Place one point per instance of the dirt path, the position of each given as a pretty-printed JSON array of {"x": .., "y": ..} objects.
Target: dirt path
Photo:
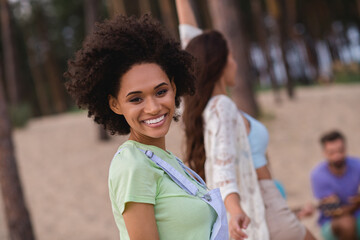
[{"x": 64, "y": 168}]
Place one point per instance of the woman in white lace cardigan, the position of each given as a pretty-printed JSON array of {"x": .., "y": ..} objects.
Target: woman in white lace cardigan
[{"x": 227, "y": 146}]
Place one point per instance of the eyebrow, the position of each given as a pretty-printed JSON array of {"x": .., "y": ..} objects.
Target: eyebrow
[{"x": 136, "y": 92}]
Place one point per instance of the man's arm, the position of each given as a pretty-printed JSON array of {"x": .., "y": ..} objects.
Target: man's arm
[{"x": 330, "y": 206}]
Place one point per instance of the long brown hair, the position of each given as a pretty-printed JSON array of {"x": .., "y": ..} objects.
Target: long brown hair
[{"x": 211, "y": 51}]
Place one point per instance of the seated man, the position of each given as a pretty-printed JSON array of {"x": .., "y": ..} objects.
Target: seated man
[{"x": 335, "y": 183}]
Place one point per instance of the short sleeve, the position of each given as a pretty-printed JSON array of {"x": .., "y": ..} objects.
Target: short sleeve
[
  {"x": 222, "y": 123},
  {"x": 188, "y": 32},
  {"x": 355, "y": 162},
  {"x": 320, "y": 185},
  {"x": 133, "y": 178}
]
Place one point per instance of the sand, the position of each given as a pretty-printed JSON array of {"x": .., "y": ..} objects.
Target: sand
[{"x": 64, "y": 167}]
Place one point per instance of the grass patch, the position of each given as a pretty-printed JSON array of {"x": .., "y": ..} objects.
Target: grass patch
[
  {"x": 346, "y": 77},
  {"x": 75, "y": 109},
  {"x": 20, "y": 114}
]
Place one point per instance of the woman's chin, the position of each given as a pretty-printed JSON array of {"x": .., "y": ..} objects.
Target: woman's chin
[{"x": 161, "y": 133}]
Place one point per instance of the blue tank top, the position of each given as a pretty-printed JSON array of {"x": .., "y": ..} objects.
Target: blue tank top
[{"x": 258, "y": 140}]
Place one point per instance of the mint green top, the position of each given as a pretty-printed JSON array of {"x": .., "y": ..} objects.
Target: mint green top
[{"x": 133, "y": 177}]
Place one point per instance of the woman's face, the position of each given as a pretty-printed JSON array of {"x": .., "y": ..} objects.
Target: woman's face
[
  {"x": 147, "y": 100},
  {"x": 230, "y": 71}
]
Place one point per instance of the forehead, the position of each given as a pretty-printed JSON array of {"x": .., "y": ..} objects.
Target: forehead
[
  {"x": 143, "y": 76},
  {"x": 338, "y": 143}
]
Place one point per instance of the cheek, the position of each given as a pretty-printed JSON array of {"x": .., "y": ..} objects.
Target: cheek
[
  {"x": 169, "y": 101},
  {"x": 131, "y": 114}
]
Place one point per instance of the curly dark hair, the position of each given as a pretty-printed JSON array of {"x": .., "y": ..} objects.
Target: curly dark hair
[{"x": 110, "y": 51}]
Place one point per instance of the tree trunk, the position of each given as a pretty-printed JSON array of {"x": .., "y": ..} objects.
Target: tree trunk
[
  {"x": 51, "y": 69},
  {"x": 226, "y": 17},
  {"x": 17, "y": 215},
  {"x": 260, "y": 30},
  {"x": 145, "y": 6},
  {"x": 204, "y": 13},
  {"x": 116, "y": 7},
  {"x": 286, "y": 24},
  {"x": 91, "y": 16},
  {"x": 11, "y": 76},
  {"x": 40, "y": 88},
  {"x": 168, "y": 16}
]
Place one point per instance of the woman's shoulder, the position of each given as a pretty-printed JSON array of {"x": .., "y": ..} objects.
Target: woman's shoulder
[
  {"x": 129, "y": 158},
  {"x": 221, "y": 103}
]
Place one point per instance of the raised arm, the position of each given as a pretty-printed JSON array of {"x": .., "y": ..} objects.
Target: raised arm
[
  {"x": 188, "y": 27},
  {"x": 185, "y": 13}
]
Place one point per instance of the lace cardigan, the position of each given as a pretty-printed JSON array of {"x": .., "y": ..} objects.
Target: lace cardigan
[{"x": 229, "y": 165}]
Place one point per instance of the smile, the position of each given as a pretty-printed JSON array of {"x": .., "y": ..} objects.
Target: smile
[{"x": 155, "y": 121}]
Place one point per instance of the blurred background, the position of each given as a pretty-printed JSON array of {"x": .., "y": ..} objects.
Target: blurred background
[{"x": 298, "y": 60}]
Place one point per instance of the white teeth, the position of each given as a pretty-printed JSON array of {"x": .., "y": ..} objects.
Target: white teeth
[{"x": 156, "y": 120}]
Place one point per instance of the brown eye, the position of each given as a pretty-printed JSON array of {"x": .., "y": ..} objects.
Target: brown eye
[
  {"x": 135, "y": 100},
  {"x": 161, "y": 92}
]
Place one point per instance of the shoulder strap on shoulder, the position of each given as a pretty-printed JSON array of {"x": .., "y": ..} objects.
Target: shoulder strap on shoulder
[{"x": 176, "y": 176}]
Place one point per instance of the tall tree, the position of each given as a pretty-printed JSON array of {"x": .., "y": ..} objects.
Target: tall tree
[
  {"x": 261, "y": 33},
  {"x": 115, "y": 7},
  {"x": 50, "y": 63},
  {"x": 17, "y": 215},
  {"x": 168, "y": 15},
  {"x": 145, "y": 6},
  {"x": 286, "y": 23},
  {"x": 91, "y": 16},
  {"x": 39, "y": 80},
  {"x": 11, "y": 76},
  {"x": 278, "y": 10},
  {"x": 227, "y": 18}
]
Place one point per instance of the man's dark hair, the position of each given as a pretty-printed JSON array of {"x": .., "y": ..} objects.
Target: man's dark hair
[{"x": 331, "y": 136}]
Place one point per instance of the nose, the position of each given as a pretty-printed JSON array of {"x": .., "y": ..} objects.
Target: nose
[{"x": 152, "y": 106}]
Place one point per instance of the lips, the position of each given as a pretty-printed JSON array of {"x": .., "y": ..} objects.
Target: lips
[{"x": 154, "y": 122}]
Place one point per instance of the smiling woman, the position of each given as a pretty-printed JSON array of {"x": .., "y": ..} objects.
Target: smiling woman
[
  {"x": 148, "y": 106},
  {"x": 130, "y": 76}
]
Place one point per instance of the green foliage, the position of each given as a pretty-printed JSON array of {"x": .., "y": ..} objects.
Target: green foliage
[
  {"x": 347, "y": 77},
  {"x": 20, "y": 114},
  {"x": 76, "y": 109},
  {"x": 347, "y": 74}
]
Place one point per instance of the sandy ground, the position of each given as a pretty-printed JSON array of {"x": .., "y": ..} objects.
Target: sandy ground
[{"x": 64, "y": 167}]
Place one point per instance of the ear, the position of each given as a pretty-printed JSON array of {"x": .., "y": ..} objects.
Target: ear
[
  {"x": 173, "y": 85},
  {"x": 114, "y": 105}
]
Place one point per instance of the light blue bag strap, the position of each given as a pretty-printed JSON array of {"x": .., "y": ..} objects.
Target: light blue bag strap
[
  {"x": 177, "y": 177},
  {"x": 193, "y": 174}
]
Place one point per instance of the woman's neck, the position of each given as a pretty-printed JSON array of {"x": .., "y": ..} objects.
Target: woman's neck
[
  {"x": 157, "y": 142},
  {"x": 219, "y": 88}
]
